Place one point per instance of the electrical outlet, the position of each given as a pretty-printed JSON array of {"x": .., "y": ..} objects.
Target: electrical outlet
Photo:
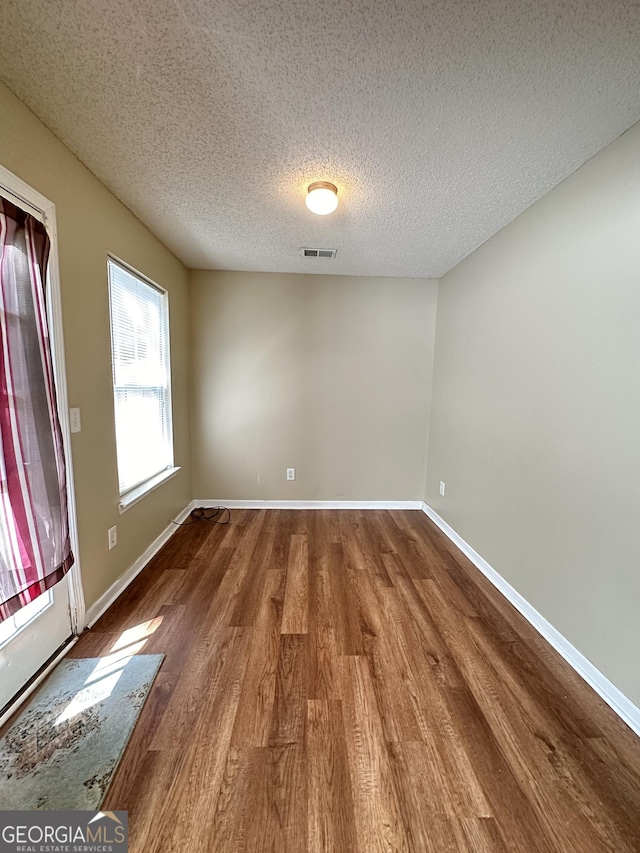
[
  {"x": 74, "y": 420},
  {"x": 113, "y": 536},
  {"x": 291, "y": 473},
  {"x": 442, "y": 487}
]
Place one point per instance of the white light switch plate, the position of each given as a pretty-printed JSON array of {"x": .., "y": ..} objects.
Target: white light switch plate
[{"x": 74, "y": 420}]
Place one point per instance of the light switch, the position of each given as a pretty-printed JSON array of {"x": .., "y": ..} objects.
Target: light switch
[{"x": 74, "y": 420}]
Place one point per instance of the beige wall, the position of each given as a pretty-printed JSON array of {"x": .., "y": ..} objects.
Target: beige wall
[
  {"x": 326, "y": 374},
  {"x": 92, "y": 222},
  {"x": 535, "y": 424},
  {"x": 536, "y": 399}
]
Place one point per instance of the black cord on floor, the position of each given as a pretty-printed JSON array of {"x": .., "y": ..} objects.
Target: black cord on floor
[{"x": 210, "y": 514}]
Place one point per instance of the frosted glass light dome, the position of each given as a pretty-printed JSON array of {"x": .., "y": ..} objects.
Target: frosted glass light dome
[{"x": 322, "y": 197}]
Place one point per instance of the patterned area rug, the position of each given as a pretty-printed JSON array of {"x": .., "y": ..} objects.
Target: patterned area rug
[{"x": 62, "y": 751}]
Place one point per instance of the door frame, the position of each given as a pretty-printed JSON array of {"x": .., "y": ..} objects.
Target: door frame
[{"x": 34, "y": 202}]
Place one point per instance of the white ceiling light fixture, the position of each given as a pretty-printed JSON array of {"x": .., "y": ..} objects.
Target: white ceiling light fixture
[{"x": 322, "y": 197}]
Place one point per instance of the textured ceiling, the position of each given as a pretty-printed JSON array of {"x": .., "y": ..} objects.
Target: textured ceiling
[{"x": 438, "y": 121}]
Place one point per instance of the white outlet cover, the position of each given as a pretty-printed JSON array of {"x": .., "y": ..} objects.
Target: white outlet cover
[
  {"x": 112, "y": 535},
  {"x": 291, "y": 473},
  {"x": 442, "y": 488}
]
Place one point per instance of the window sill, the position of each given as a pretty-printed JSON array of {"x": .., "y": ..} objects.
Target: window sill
[{"x": 135, "y": 495}]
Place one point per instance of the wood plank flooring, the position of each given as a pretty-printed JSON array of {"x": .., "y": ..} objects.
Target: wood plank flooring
[{"x": 347, "y": 681}]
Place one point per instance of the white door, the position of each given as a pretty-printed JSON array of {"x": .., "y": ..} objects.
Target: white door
[{"x": 33, "y": 636}]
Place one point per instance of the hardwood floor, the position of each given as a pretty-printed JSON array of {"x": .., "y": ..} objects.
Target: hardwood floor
[{"x": 347, "y": 681}]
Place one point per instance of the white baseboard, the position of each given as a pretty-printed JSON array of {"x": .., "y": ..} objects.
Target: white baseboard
[
  {"x": 615, "y": 698},
  {"x": 118, "y": 587},
  {"x": 256, "y": 504}
]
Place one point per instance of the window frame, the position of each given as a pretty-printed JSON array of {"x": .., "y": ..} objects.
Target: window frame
[{"x": 132, "y": 494}]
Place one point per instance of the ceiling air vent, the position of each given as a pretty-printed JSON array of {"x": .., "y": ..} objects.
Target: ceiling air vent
[{"x": 318, "y": 253}]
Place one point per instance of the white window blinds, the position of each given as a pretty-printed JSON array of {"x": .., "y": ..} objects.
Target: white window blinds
[{"x": 141, "y": 377}]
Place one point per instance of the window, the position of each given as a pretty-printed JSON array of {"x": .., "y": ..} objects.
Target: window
[
  {"x": 10, "y": 627},
  {"x": 141, "y": 382}
]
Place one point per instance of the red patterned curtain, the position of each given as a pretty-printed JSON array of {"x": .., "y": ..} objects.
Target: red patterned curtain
[{"x": 35, "y": 551}]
